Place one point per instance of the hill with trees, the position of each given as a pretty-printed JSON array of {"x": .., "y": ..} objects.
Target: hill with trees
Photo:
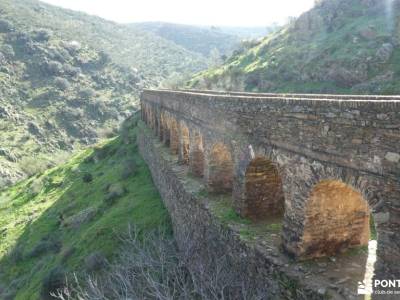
[
  {"x": 339, "y": 46},
  {"x": 68, "y": 79},
  {"x": 202, "y": 40}
]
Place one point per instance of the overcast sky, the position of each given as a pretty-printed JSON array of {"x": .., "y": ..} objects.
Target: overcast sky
[{"x": 199, "y": 12}]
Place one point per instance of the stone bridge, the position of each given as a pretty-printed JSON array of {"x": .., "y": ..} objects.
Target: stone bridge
[{"x": 327, "y": 165}]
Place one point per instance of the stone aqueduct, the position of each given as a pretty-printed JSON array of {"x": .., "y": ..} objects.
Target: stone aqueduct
[{"x": 324, "y": 163}]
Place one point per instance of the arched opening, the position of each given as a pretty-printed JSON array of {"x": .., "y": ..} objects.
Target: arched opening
[
  {"x": 167, "y": 136},
  {"x": 174, "y": 136},
  {"x": 162, "y": 127},
  {"x": 220, "y": 175},
  {"x": 197, "y": 156},
  {"x": 185, "y": 144},
  {"x": 156, "y": 124},
  {"x": 263, "y": 190},
  {"x": 336, "y": 218}
]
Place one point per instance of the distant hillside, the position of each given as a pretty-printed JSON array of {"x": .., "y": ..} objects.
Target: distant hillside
[
  {"x": 193, "y": 38},
  {"x": 150, "y": 54},
  {"x": 68, "y": 79},
  {"x": 248, "y": 32},
  {"x": 340, "y": 46}
]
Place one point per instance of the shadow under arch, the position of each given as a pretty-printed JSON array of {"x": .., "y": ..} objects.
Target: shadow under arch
[
  {"x": 337, "y": 218},
  {"x": 185, "y": 144},
  {"x": 263, "y": 193},
  {"x": 162, "y": 127},
  {"x": 173, "y": 135},
  {"x": 196, "y": 155},
  {"x": 220, "y": 169}
]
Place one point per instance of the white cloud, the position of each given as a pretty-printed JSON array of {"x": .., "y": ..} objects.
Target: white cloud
[{"x": 200, "y": 12}]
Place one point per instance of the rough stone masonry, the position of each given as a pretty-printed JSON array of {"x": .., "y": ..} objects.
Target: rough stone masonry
[{"x": 325, "y": 164}]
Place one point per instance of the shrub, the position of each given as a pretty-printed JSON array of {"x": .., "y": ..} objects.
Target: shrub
[
  {"x": 87, "y": 93},
  {"x": 53, "y": 283},
  {"x": 62, "y": 83},
  {"x": 115, "y": 191},
  {"x": 67, "y": 253},
  {"x": 35, "y": 187},
  {"x": 71, "y": 70},
  {"x": 129, "y": 169},
  {"x": 32, "y": 165},
  {"x": 16, "y": 255},
  {"x": 87, "y": 177},
  {"x": 95, "y": 261},
  {"x": 8, "y": 51},
  {"x": 42, "y": 35},
  {"x": 53, "y": 68},
  {"x": 80, "y": 218},
  {"x": 5, "y": 26},
  {"x": 45, "y": 246}
]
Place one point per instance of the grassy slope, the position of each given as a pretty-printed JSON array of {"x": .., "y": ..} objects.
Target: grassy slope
[
  {"x": 29, "y": 214},
  {"x": 332, "y": 48},
  {"x": 31, "y": 94}
]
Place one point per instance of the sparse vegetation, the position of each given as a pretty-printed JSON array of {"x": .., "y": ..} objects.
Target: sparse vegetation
[
  {"x": 149, "y": 267},
  {"x": 67, "y": 79},
  {"x": 340, "y": 46}
]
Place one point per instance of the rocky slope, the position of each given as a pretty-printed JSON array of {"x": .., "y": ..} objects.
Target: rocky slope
[
  {"x": 340, "y": 46},
  {"x": 152, "y": 55},
  {"x": 68, "y": 79}
]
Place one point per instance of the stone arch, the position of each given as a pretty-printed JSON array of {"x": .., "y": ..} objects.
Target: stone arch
[
  {"x": 220, "y": 169},
  {"x": 156, "y": 123},
  {"x": 145, "y": 114},
  {"x": 262, "y": 190},
  {"x": 162, "y": 126},
  {"x": 167, "y": 134},
  {"x": 150, "y": 117},
  {"x": 336, "y": 219},
  {"x": 197, "y": 155},
  {"x": 173, "y": 135},
  {"x": 185, "y": 144}
]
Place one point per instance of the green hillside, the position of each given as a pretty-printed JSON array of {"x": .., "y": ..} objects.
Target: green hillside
[
  {"x": 68, "y": 79},
  {"x": 151, "y": 55},
  {"x": 340, "y": 46},
  {"x": 71, "y": 218}
]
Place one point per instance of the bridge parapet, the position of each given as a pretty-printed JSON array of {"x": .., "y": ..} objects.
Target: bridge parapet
[{"x": 326, "y": 162}]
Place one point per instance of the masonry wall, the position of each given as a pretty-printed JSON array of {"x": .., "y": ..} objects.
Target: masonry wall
[
  {"x": 206, "y": 245},
  {"x": 309, "y": 138}
]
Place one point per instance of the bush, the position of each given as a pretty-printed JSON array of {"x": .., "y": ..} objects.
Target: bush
[
  {"x": 32, "y": 165},
  {"x": 53, "y": 68},
  {"x": 87, "y": 93},
  {"x": 45, "y": 246},
  {"x": 5, "y": 26},
  {"x": 42, "y": 35},
  {"x": 95, "y": 262},
  {"x": 71, "y": 70},
  {"x": 53, "y": 283},
  {"x": 62, "y": 83},
  {"x": 129, "y": 169},
  {"x": 87, "y": 177},
  {"x": 35, "y": 187},
  {"x": 67, "y": 253},
  {"x": 16, "y": 255},
  {"x": 115, "y": 191},
  {"x": 8, "y": 51}
]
